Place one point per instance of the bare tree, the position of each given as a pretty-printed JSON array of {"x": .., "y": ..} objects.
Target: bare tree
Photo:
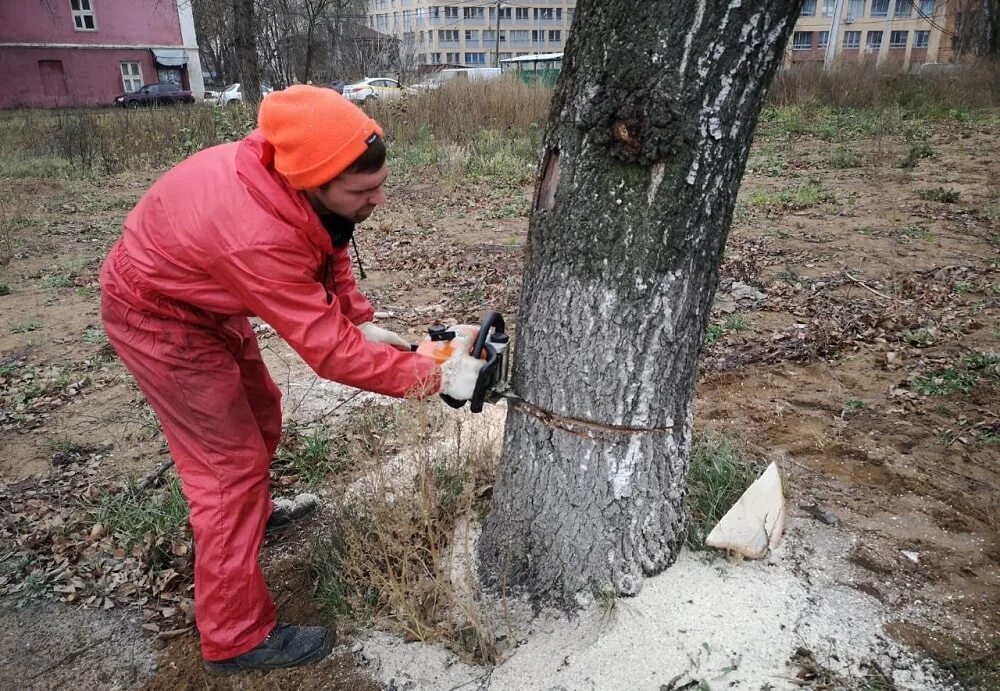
[
  {"x": 648, "y": 137},
  {"x": 245, "y": 45},
  {"x": 977, "y": 27}
]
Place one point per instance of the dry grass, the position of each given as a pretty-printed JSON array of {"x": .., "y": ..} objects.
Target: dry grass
[
  {"x": 849, "y": 85},
  {"x": 391, "y": 555}
]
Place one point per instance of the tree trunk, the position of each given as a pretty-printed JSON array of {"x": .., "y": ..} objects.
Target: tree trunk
[
  {"x": 245, "y": 42},
  {"x": 648, "y": 136}
]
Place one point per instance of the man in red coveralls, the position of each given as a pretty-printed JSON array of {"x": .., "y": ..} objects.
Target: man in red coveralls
[{"x": 257, "y": 227}]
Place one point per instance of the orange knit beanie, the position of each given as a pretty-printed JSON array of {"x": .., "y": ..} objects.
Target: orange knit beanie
[{"x": 316, "y": 133}]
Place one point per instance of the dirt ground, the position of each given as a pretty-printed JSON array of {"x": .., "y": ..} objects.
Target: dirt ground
[{"x": 852, "y": 334}]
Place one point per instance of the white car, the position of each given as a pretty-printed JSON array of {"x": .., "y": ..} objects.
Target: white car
[
  {"x": 375, "y": 88},
  {"x": 233, "y": 94}
]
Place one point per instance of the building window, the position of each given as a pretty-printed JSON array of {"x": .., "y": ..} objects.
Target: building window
[
  {"x": 435, "y": 12},
  {"x": 855, "y": 9},
  {"x": 475, "y": 58},
  {"x": 802, "y": 40},
  {"x": 537, "y": 36},
  {"x": 880, "y": 8},
  {"x": 897, "y": 39},
  {"x": 471, "y": 35},
  {"x": 555, "y": 36},
  {"x": 435, "y": 58},
  {"x": 903, "y": 8},
  {"x": 504, "y": 13},
  {"x": 83, "y": 15},
  {"x": 131, "y": 76},
  {"x": 473, "y": 12},
  {"x": 824, "y": 39},
  {"x": 545, "y": 13},
  {"x": 452, "y": 58},
  {"x": 452, "y": 12},
  {"x": 521, "y": 13},
  {"x": 921, "y": 39},
  {"x": 852, "y": 39},
  {"x": 808, "y": 9},
  {"x": 874, "y": 41},
  {"x": 828, "y": 6},
  {"x": 927, "y": 8},
  {"x": 448, "y": 36},
  {"x": 521, "y": 36}
]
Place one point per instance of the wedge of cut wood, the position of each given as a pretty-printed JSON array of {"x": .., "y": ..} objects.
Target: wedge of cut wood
[{"x": 755, "y": 523}]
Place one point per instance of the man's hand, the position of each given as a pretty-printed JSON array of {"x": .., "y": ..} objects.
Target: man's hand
[
  {"x": 379, "y": 335},
  {"x": 461, "y": 371}
]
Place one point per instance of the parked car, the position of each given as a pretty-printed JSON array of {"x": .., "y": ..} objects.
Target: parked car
[
  {"x": 232, "y": 94},
  {"x": 160, "y": 94},
  {"x": 466, "y": 75},
  {"x": 211, "y": 96},
  {"x": 375, "y": 88}
]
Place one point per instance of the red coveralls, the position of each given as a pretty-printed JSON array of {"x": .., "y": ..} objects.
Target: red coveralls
[{"x": 218, "y": 238}]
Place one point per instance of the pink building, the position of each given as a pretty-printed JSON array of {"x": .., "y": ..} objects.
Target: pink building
[{"x": 57, "y": 53}]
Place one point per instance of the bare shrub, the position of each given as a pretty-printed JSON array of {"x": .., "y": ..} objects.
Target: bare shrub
[{"x": 391, "y": 554}]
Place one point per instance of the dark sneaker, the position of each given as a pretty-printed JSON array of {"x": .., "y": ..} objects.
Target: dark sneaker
[
  {"x": 285, "y": 646},
  {"x": 287, "y": 511}
]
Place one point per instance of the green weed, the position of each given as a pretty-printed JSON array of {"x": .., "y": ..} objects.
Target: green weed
[
  {"x": 717, "y": 477},
  {"x": 26, "y": 327},
  {"x": 57, "y": 281},
  {"x": 960, "y": 378},
  {"x": 154, "y": 519},
  {"x": 919, "y": 338},
  {"x": 842, "y": 157},
  {"x": 938, "y": 194},
  {"x": 802, "y": 197},
  {"x": 737, "y": 322},
  {"x": 854, "y": 404},
  {"x": 714, "y": 333}
]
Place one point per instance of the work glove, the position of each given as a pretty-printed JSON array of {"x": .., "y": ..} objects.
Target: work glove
[
  {"x": 460, "y": 372},
  {"x": 377, "y": 334}
]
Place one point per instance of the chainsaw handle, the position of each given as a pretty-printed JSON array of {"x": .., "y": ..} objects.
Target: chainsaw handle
[{"x": 491, "y": 320}]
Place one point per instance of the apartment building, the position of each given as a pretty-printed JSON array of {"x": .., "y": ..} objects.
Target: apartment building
[
  {"x": 910, "y": 32},
  {"x": 464, "y": 34}
]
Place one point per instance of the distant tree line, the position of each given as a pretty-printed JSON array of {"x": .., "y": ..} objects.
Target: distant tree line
[{"x": 281, "y": 42}]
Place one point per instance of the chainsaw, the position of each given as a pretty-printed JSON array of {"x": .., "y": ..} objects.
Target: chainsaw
[{"x": 490, "y": 344}]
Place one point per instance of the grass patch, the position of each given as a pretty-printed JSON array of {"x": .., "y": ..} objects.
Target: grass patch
[
  {"x": 717, "y": 477},
  {"x": 156, "y": 521},
  {"x": 961, "y": 377},
  {"x": 802, "y": 197},
  {"x": 938, "y": 194}
]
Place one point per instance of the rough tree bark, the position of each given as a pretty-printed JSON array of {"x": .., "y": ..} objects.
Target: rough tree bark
[
  {"x": 245, "y": 43},
  {"x": 648, "y": 136}
]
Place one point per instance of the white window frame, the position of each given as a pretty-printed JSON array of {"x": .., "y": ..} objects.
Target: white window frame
[
  {"x": 896, "y": 34},
  {"x": 82, "y": 10},
  {"x": 854, "y": 44},
  {"x": 797, "y": 45},
  {"x": 870, "y": 45},
  {"x": 880, "y": 11},
  {"x": 822, "y": 39},
  {"x": 922, "y": 34},
  {"x": 129, "y": 78},
  {"x": 923, "y": 11}
]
